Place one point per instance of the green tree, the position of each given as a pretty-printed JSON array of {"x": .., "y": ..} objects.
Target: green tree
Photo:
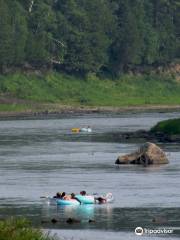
[
  {"x": 163, "y": 22},
  {"x": 84, "y": 27},
  {"x": 150, "y": 36},
  {"x": 5, "y": 36},
  {"x": 19, "y": 32},
  {"x": 41, "y": 25},
  {"x": 176, "y": 20},
  {"x": 128, "y": 43}
]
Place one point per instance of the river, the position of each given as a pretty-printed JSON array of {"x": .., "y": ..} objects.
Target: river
[{"x": 39, "y": 157}]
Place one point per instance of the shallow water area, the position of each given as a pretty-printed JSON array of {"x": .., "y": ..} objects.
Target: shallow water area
[
  {"x": 41, "y": 157},
  {"x": 88, "y": 235}
]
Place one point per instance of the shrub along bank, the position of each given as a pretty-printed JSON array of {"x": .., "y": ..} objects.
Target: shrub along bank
[{"x": 20, "y": 229}]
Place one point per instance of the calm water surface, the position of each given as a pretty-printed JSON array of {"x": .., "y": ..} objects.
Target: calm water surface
[{"x": 41, "y": 157}]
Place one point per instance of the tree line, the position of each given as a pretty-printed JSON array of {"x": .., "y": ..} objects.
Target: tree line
[{"x": 88, "y": 36}]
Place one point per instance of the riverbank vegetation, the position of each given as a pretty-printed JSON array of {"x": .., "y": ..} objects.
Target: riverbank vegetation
[
  {"x": 88, "y": 53},
  {"x": 20, "y": 229},
  {"x": 19, "y": 92},
  {"x": 170, "y": 127}
]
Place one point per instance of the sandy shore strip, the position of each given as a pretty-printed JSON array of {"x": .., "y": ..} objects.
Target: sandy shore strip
[{"x": 56, "y": 109}]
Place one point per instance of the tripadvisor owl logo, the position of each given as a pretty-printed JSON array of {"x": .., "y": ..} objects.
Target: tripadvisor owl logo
[{"x": 139, "y": 231}]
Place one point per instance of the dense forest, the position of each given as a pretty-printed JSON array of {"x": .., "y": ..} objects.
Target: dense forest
[{"x": 88, "y": 36}]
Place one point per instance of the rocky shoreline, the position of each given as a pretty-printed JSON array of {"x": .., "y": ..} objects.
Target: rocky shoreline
[{"x": 146, "y": 136}]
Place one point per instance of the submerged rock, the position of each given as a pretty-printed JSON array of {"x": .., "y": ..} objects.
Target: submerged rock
[{"x": 148, "y": 153}]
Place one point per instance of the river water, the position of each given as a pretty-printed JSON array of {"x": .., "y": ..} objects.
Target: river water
[{"x": 41, "y": 157}]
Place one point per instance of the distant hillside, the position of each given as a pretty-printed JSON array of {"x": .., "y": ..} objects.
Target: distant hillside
[{"x": 107, "y": 37}]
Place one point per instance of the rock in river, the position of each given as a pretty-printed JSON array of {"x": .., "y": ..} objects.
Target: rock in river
[{"x": 148, "y": 153}]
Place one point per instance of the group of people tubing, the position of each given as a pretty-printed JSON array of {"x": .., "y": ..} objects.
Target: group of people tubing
[{"x": 67, "y": 197}]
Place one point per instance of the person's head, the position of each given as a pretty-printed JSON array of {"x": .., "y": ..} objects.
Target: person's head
[
  {"x": 101, "y": 200},
  {"x": 58, "y": 194},
  {"x": 72, "y": 195},
  {"x": 83, "y": 193},
  {"x": 63, "y": 194}
]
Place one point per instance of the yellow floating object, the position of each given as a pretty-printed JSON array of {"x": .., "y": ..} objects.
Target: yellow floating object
[{"x": 75, "y": 130}]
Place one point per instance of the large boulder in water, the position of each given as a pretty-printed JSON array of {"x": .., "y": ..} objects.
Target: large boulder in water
[{"x": 148, "y": 153}]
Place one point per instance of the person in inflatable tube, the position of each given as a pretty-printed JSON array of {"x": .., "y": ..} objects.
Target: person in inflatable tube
[
  {"x": 73, "y": 196},
  {"x": 101, "y": 200},
  {"x": 66, "y": 197},
  {"x": 58, "y": 195},
  {"x": 83, "y": 193}
]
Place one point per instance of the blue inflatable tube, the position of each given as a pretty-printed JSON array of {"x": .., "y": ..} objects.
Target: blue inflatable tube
[
  {"x": 71, "y": 202},
  {"x": 80, "y": 199},
  {"x": 87, "y": 199}
]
